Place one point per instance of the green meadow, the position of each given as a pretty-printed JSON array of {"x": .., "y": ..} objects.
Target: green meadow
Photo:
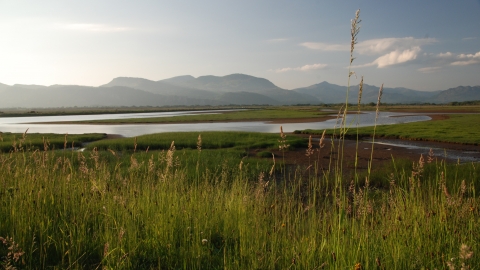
[
  {"x": 458, "y": 128},
  {"x": 199, "y": 201},
  {"x": 206, "y": 205}
]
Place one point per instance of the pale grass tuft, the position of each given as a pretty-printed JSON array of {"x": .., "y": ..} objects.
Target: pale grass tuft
[
  {"x": 283, "y": 142},
  {"x": 377, "y": 108},
  {"x": 14, "y": 252},
  {"x": 321, "y": 144},
  {"x": 65, "y": 142},
  {"x": 273, "y": 166},
  {"x": 360, "y": 91},
  {"x": 310, "y": 147},
  {"x": 465, "y": 252},
  {"x": 199, "y": 143},
  {"x": 354, "y": 30},
  {"x": 431, "y": 156}
]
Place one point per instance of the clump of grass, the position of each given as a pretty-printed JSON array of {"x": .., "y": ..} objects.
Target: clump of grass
[{"x": 209, "y": 140}]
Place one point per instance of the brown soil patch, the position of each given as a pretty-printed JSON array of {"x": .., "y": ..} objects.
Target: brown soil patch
[{"x": 382, "y": 154}]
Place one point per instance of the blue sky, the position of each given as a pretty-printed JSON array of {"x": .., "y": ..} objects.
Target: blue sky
[{"x": 424, "y": 45}]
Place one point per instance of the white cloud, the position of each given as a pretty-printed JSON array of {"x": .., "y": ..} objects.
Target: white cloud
[
  {"x": 392, "y": 50},
  {"x": 312, "y": 67},
  {"x": 467, "y": 59},
  {"x": 302, "y": 68},
  {"x": 90, "y": 27},
  {"x": 325, "y": 46},
  {"x": 373, "y": 46},
  {"x": 397, "y": 57},
  {"x": 393, "y": 58},
  {"x": 429, "y": 69},
  {"x": 386, "y": 45},
  {"x": 444, "y": 55},
  {"x": 441, "y": 60}
]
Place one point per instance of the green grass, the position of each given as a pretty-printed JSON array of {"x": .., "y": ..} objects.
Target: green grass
[
  {"x": 459, "y": 128},
  {"x": 247, "y": 115},
  {"x": 210, "y": 140},
  {"x": 129, "y": 208},
  {"x": 216, "y": 209},
  {"x": 31, "y": 141}
]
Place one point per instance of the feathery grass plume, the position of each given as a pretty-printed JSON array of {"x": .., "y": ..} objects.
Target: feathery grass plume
[
  {"x": 321, "y": 144},
  {"x": 65, "y": 141},
  {"x": 25, "y": 134},
  {"x": 309, "y": 151},
  {"x": 273, "y": 166},
  {"x": 431, "y": 156},
  {"x": 14, "y": 252},
  {"x": 360, "y": 91},
  {"x": 170, "y": 152},
  {"x": 199, "y": 143},
  {"x": 135, "y": 144},
  {"x": 377, "y": 108},
  {"x": 283, "y": 142},
  {"x": 354, "y": 30}
]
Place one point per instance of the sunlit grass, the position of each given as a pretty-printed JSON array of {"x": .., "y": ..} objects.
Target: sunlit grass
[{"x": 458, "y": 128}]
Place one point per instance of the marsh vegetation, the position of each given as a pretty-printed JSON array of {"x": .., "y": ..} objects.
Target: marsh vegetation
[{"x": 200, "y": 201}]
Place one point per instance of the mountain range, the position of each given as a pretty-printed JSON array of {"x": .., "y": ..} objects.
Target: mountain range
[{"x": 234, "y": 89}]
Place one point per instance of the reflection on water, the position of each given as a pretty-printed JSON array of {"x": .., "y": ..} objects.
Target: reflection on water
[
  {"x": 440, "y": 152},
  {"x": 20, "y": 124}
]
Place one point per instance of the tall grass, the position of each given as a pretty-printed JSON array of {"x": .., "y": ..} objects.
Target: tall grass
[
  {"x": 150, "y": 210},
  {"x": 119, "y": 207}
]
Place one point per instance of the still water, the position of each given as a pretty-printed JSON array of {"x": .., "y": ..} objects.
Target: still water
[{"x": 34, "y": 123}]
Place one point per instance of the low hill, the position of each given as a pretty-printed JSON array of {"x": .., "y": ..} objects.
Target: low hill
[{"x": 239, "y": 89}]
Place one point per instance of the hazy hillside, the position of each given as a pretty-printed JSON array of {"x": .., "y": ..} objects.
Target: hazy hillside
[
  {"x": 238, "y": 89},
  {"x": 73, "y": 95},
  {"x": 160, "y": 87},
  {"x": 460, "y": 93},
  {"x": 216, "y": 88},
  {"x": 332, "y": 93},
  {"x": 229, "y": 83}
]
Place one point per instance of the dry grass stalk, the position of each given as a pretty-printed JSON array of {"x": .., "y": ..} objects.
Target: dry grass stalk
[
  {"x": 354, "y": 30},
  {"x": 360, "y": 91},
  {"x": 14, "y": 252},
  {"x": 199, "y": 143},
  {"x": 310, "y": 147},
  {"x": 273, "y": 166},
  {"x": 283, "y": 142},
  {"x": 135, "y": 144},
  {"x": 321, "y": 144},
  {"x": 377, "y": 108},
  {"x": 65, "y": 142}
]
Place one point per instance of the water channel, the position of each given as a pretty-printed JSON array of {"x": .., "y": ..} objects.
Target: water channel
[
  {"x": 41, "y": 124},
  {"x": 36, "y": 124}
]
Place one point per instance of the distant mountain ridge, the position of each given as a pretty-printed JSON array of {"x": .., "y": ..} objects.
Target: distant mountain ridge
[{"x": 234, "y": 89}]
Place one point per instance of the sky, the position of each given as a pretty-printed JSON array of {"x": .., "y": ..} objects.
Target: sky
[{"x": 424, "y": 45}]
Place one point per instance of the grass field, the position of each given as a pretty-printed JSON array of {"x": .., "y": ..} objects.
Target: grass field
[
  {"x": 34, "y": 141},
  {"x": 183, "y": 201},
  {"x": 215, "y": 209},
  {"x": 458, "y": 128}
]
